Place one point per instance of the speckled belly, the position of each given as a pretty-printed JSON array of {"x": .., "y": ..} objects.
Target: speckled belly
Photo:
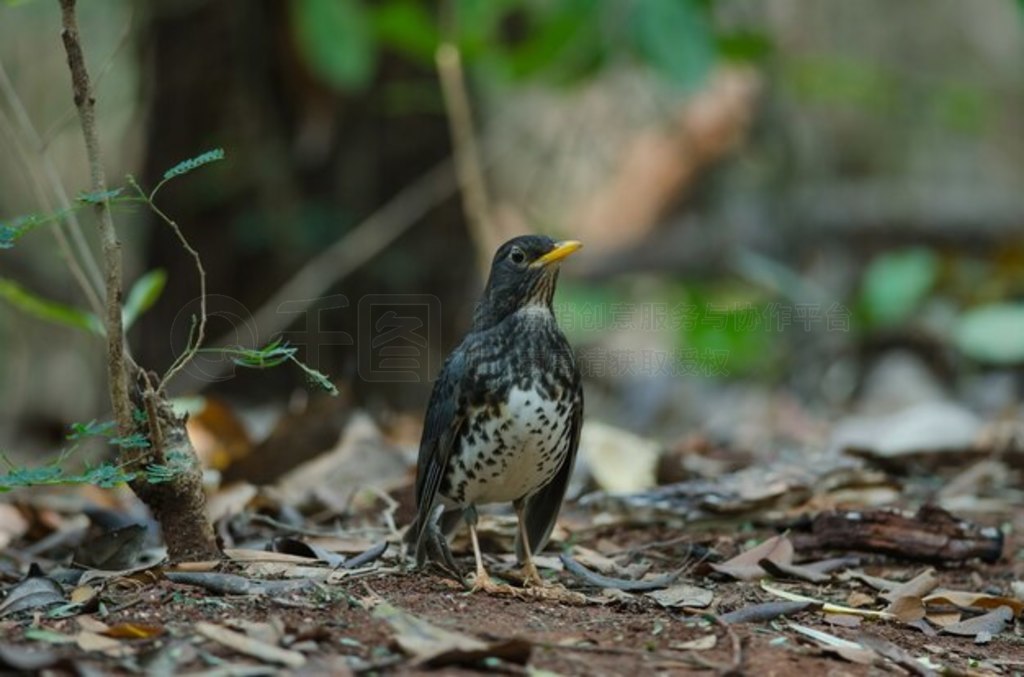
[{"x": 506, "y": 457}]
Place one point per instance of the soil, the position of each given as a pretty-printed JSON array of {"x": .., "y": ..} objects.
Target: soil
[{"x": 338, "y": 632}]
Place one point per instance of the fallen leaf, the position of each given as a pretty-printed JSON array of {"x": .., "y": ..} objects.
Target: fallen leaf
[
  {"x": 682, "y": 594},
  {"x": 746, "y": 566},
  {"x": 13, "y": 524},
  {"x": 93, "y": 642},
  {"x": 293, "y": 546},
  {"x": 90, "y": 624},
  {"x": 844, "y": 620},
  {"x": 827, "y": 607},
  {"x": 133, "y": 631},
  {"x": 858, "y": 599},
  {"x": 851, "y": 651},
  {"x": 992, "y": 623},
  {"x": 83, "y": 594},
  {"x": 604, "y": 582},
  {"x": 907, "y": 609},
  {"x": 780, "y": 570},
  {"x": 700, "y": 644},
  {"x": 973, "y": 600},
  {"x": 432, "y": 646},
  {"x": 760, "y": 613},
  {"x": 249, "y": 646},
  {"x": 918, "y": 586},
  {"x": 35, "y": 591},
  {"x": 27, "y": 659},
  {"x": 918, "y": 666},
  {"x": 114, "y": 550}
]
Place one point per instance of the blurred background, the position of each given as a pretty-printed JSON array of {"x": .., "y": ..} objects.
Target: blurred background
[{"x": 794, "y": 212}]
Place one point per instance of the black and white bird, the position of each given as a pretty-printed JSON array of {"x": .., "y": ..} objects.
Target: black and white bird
[{"x": 503, "y": 423}]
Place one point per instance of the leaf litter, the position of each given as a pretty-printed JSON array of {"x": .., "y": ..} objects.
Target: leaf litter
[{"x": 647, "y": 593}]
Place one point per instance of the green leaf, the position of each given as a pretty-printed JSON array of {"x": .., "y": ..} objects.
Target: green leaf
[
  {"x": 675, "y": 37},
  {"x": 12, "y": 231},
  {"x": 143, "y": 295},
  {"x": 896, "y": 283},
  {"x": 51, "y": 311},
  {"x": 96, "y": 198},
  {"x": 992, "y": 333},
  {"x": 565, "y": 44},
  {"x": 407, "y": 27},
  {"x": 93, "y": 428},
  {"x": 198, "y": 161},
  {"x": 336, "y": 40}
]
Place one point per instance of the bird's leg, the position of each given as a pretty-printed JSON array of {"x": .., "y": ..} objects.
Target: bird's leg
[
  {"x": 530, "y": 573},
  {"x": 483, "y": 581}
]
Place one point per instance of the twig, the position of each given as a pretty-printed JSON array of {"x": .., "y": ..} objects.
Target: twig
[
  {"x": 468, "y": 167},
  {"x": 117, "y": 368},
  {"x": 196, "y": 342},
  {"x": 343, "y": 257},
  {"x": 735, "y": 666},
  {"x": 89, "y": 279}
]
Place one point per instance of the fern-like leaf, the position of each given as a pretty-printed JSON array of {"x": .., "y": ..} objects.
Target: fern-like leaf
[{"x": 198, "y": 161}]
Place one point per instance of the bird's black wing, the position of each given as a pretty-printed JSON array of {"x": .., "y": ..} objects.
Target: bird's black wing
[
  {"x": 440, "y": 428},
  {"x": 541, "y": 509}
]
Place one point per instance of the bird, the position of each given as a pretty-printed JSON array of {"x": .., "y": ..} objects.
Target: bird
[{"x": 504, "y": 416}]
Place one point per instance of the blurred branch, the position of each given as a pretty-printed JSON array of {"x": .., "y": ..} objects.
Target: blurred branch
[
  {"x": 465, "y": 150},
  {"x": 88, "y": 278}
]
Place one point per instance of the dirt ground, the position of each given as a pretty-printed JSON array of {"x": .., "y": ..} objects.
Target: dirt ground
[{"x": 337, "y": 630}]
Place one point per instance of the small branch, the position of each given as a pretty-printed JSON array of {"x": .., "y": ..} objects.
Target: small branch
[
  {"x": 117, "y": 370},
  {"x": 475, "y": 200},
  {"x": 196, "y": 341}
]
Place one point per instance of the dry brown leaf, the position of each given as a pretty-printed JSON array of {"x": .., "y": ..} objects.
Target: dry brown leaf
[
  {"x": 248, "y": 555},
  {"x": 432, "y": 646},
  {"x": 13, "y": 524},
  {"x": 267, "y": 653},
  {"x": 843, "y": 620},
  {"x": 91, "y": 641},
  {"x": 746, "y": 567},
  {"x": 943, "y": 618},
  {"x": 859, "y": 599},
  {"x": 83, "y": 594},
  {"x": 682, "y": 594},
  {"x": 907, "y": 609},
  {"x": 700, "y": 644},
  {"x": 90, "y": 624},
  {"x": 973, "y": 600},
  {"x": 918, "y": 586}
]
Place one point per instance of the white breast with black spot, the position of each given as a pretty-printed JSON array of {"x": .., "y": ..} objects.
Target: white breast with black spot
[{"x": 506, "y": 457}]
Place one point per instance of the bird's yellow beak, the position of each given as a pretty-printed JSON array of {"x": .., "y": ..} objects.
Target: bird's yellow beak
[{"x": 561, "y": 250}]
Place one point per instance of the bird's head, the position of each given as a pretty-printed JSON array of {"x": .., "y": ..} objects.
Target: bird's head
[{"x": 523, "y": 273}]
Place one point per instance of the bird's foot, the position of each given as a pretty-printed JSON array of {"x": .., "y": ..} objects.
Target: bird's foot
[
  {"x": 531, "y": 577},
  {"x": 554, "y": 592},
  {"x": 483, "y": 582}
]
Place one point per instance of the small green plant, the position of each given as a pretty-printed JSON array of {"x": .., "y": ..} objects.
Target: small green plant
[{"x": 144, "y": 293}]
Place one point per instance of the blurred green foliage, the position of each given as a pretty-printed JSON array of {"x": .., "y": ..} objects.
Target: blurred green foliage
[
  {"x": 895, "y": 284},
  {"x": 561, "y": 41}
]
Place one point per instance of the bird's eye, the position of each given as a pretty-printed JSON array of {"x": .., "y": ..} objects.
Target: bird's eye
[{"x": 516, "y": 256}]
